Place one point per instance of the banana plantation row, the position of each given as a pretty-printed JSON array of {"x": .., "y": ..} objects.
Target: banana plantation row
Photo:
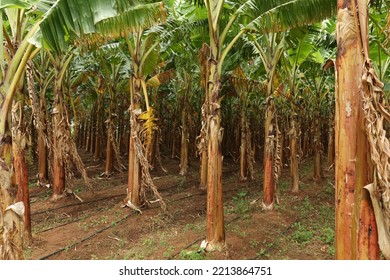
[{"x": 268, "y": 81}]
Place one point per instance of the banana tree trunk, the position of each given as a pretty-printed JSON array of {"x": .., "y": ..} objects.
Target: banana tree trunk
[
  {"x": 173, "y": 143},
  {"x": 11, "y": 213},
  {"x": 58, "y": 164},
  {"x": 202, "y": 146},
  {"x": 215, "y": 215},
  {"x": 109, "y": 147},
  {"x": 317, "y": 149},
  {"x": 134, "y": 182},
  {"x": 269, "y": 149},
  {"x": 330, "y": 160},
  {"x": 294, "y": 155},
  {"x": 19, "y": 143},
  {"x": 356, "y": 232},
  {"x": 203, "y": 168},
  {"x": 42, "y": 150},
  {"x": 109, "y": 167},
  {"x": 99, "y": 132},
  {"x": 243, "y": 149},
  {"x": 87, "y": 136},
  {"x": 306, "y": 144},
  {"x": 93, "y": 132},
  {"x": 184, "y": 143},
  {"x": 11, "y": 223}
]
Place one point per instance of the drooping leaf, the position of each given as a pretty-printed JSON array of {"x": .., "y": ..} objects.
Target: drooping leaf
[
  {"x": 161, "y": 78},
  {"x": 19, "y": 4},
  {"x": 89, "y": 20},
  {"x": 280, "y": 15}
]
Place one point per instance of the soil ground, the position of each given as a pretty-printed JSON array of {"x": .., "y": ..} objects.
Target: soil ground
[{"x": 301, "y": 227}]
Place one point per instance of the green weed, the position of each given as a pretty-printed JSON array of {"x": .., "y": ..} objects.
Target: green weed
[
  {"x": 241, "y": 204},
  {"x": 262, "y": 254},
  {"x": 236, "y": 229},
  {"x": 134, "y": 255},
  {"x": 301, "y": 234},
  {"x": 254, "y": 243},
  {"x": 169, "y": 251},
  {"x": 192, "y": 255},
  {"x": 283, "y": 184},
  {"x": 149, "y": 243},
  {"x": 327, "y": 235}
]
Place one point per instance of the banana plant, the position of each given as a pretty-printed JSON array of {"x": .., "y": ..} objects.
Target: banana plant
[
  {"x": 317, "y": 100},
  {"x": 246, "y": 89},
  {"x": 23, "y": 18},
  {"x": 269, "y": 47},
  {"x": 302, "y": 48},
  {"x": 41, "y": 75},
  {"x": 361, "y": 116},
  {"x": 112, "y": 78},
  {"x": 256, "y": 16},
  {"x": 60, "y": 24},
  {"x": 67, "y": 23}
]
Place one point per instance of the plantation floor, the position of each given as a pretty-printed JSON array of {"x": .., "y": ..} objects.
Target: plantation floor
[{"x": 301, "y": 226}]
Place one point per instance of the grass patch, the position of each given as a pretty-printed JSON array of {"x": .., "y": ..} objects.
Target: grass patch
[
  {"x": 254, "y": 243},
  {"x": 241, "y": 203},
  {"x": 236, "y": 229},
  {"x": 262, "y": 254},
  {"x": 192, "y": 255},
  {"x": 301, "y": 234},
  {"x": 283, "y": 184},
  {"x": 327, "y": 235},
  {"x": 149, "y": 243},
  {"x": 169, "y": 251},
  {"x": 134, "y": 255}
]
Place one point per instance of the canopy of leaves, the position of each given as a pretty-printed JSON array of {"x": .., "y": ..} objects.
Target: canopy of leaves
[{"x": 70, "y": 19}]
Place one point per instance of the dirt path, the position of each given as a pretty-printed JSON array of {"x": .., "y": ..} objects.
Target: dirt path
[{"x": 301, "y": 227}]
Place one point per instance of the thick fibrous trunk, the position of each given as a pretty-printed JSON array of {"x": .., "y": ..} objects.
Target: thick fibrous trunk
[
  {"x": 21, "y": 180},
  {"x": 88, "y": 134},
  {"x": 110, "y": 138},
  {"x": 98, "y": 145},
  {"x": 58, "y": 164},
  {"x": 317, "y": 149},
  {"x": 11, "y": 213},
  {"x": 99, "y": 134},
  {"x": 202, "y": 146},
  {"x": 243, "y": 149},
  {"x": 134, "y": 182},
  {"x": 109, "y": 158},
  {"x": 215, "y": 215},
  {"x": 11, "y": 223},
  {"x": 203, "y": 169},
  {"x": 173, "y": 151},
  {"x": 294, "y": 156},
  {"x": 330, "y": 160},
  {"x": 306, "y": 144},
  {"x": 356, "y": 234},
  {"x": 269, "y": 149},
  {"x": 42, "y": 150},
  {"x": 85, "y": 134},
  {"x": 19, "y": 143},
  {"x": 93, "y": 134},
  {"x": 42, "y": 159},
  {"x": 184, "y": 143}
]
